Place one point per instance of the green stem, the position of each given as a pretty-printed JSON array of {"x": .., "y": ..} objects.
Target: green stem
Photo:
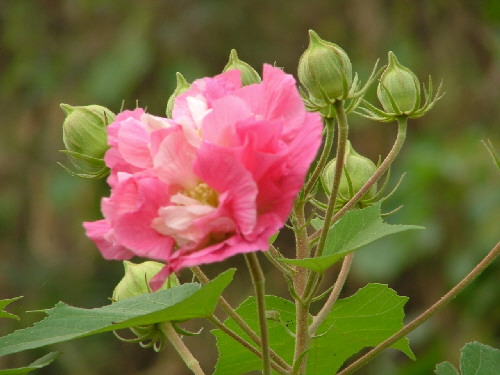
[
  {"x": 181, "y": 348},
  {"x": 239, "y": 320},
  {"x": 389, "y": 159},
  {"x": 329, "y": 125},
  {"x": 443, "y": 301},
  {"x": 272, "y": 254},
  {"x": 343, "y": 131},
  {"x": 258, "y": 281},
  {"x": 334, "y": 295},
  {"x": 312, "y": 286}
]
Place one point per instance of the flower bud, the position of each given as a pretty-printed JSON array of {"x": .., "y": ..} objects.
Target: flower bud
[
  {"x": 359, "y": 170},
  {"x": 136, "y": 280},
  {"x": 399, "y": 88},
  {"x": 182, "y": 85},
  {"x": 325, "y": 70},
  {"x": 134, "y": 283},
  {"x": 85, "y": 137},
  {"x": 248, "y": 74}
]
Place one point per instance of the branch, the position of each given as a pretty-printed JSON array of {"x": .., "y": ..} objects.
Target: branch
[{"x": 443, "y": 301}]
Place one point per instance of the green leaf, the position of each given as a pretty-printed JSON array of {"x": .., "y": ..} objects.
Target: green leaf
[
  {"x": 65, "y": 322},
  {"x": 355, "y": 229},
  {"x": 365, "y": 319},
  {"x": 446, "y": 368},
  {"x": 3, "y": 304},
  {"x": 476, "y": 359},
  {"x": 39, "y": 363},
  {"x": 236, "y": 359}
]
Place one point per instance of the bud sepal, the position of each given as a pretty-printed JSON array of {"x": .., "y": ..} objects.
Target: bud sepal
[
  {"x": 325, "y": 73},
  {"x": 357, "y": 171},
  {"x": 248, "y": 74},
  {"x": 135, "y": 283},
  {"x": 400, "y": 95},
  {"x": 86, "y": 140},
  {"x": 182, "y": 86}
]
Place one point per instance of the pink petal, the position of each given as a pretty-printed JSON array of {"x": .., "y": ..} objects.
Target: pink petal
[
  {"x": 220, "y": 169},
  {"x": 174, "y": 159},
  {"x": 102, "y": 234},
  {"x": 208, "y": 88},
  {"x": 113, "y": 128},
  {"x": 158, "y": 280},
  {"x": 133, "y": 205},
  {"x": 216, "y": 253},
  {"x": 133, "y": 143},
  {"x": 276, "y": 97},
  {"x": 219, "y": 126}
]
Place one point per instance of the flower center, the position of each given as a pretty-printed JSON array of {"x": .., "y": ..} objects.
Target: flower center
[{"x": 203, "y": 194}]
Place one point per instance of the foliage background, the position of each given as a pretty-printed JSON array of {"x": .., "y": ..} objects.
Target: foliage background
[{"x": 104, "y": 51}]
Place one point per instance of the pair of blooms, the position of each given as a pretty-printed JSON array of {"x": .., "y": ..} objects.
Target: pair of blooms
[{"x": 218, "y": 179}]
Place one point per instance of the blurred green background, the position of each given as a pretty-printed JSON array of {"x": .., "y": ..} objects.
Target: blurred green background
[{"x": 102, "y": 52}]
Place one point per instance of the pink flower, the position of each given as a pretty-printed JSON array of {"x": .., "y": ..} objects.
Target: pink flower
[{"x": 216, "y": 180}]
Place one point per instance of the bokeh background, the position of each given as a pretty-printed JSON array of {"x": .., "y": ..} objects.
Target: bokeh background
[{"x": 108, "y": 51}]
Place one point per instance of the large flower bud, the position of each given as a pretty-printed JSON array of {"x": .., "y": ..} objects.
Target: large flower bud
[
  {"x": 359, "y": 170},
  {"x": 182, "y": 85},
  {"x": 248, "y": 74},
  {"x": 325, "y": 70},
  {"x": 85, "y": 137},
  {"x": 399, "y": 88}
]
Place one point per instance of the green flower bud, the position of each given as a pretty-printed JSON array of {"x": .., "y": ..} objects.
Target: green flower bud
[
  {"x": 136, "y": 280},
  {"x": 85, "y": 138},
  {"x": 248, "y": 74},
  {"x": 182, "y": 85},
  {"x": 358, "y": 169},
  {"x": 399, "y": 88},
  {"x": 325, "y": 70},
  {"x": 134, "y": 283}
]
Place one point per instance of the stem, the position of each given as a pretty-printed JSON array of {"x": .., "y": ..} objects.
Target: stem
[
  {"x": 443, "y": 301},
  {"x": 258, "y": 281},
  {"x": 312, "y": 286},
  {"x": 239, "y": 320},
  {"x": 328, "y": 122},
  {"x": 302, "y": 286},
  {"x": 334, "y": 295},
  {"x": 389, "y": 159},
  {"x": 299, "y": 282},
  {"x": 217, "y": 323},
  {"x": 302, "y": 337},
  {"x": 181, "y": 348},
  {"x": 271, "y": 255},
  {"x": 343, "y": 129}
]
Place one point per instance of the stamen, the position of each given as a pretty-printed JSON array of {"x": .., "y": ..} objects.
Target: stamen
[{"x": 204, "y": 194}]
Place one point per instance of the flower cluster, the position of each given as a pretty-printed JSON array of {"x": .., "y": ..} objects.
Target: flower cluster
[{"x": 217, "y": 179}]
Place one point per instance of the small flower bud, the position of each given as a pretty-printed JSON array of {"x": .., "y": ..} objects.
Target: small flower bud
[
  {"x": 136, "y": 280},
  {"x": 85, "y": 137},
  {"x": 358, "y": 169},
  {"x": 399, "y": 88},
  {"x": 135, "y": 283},
  {"x": 182, "y": 85},
  {"x": 325, "y": 70},
  {"x": 248, "y": 74}
]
